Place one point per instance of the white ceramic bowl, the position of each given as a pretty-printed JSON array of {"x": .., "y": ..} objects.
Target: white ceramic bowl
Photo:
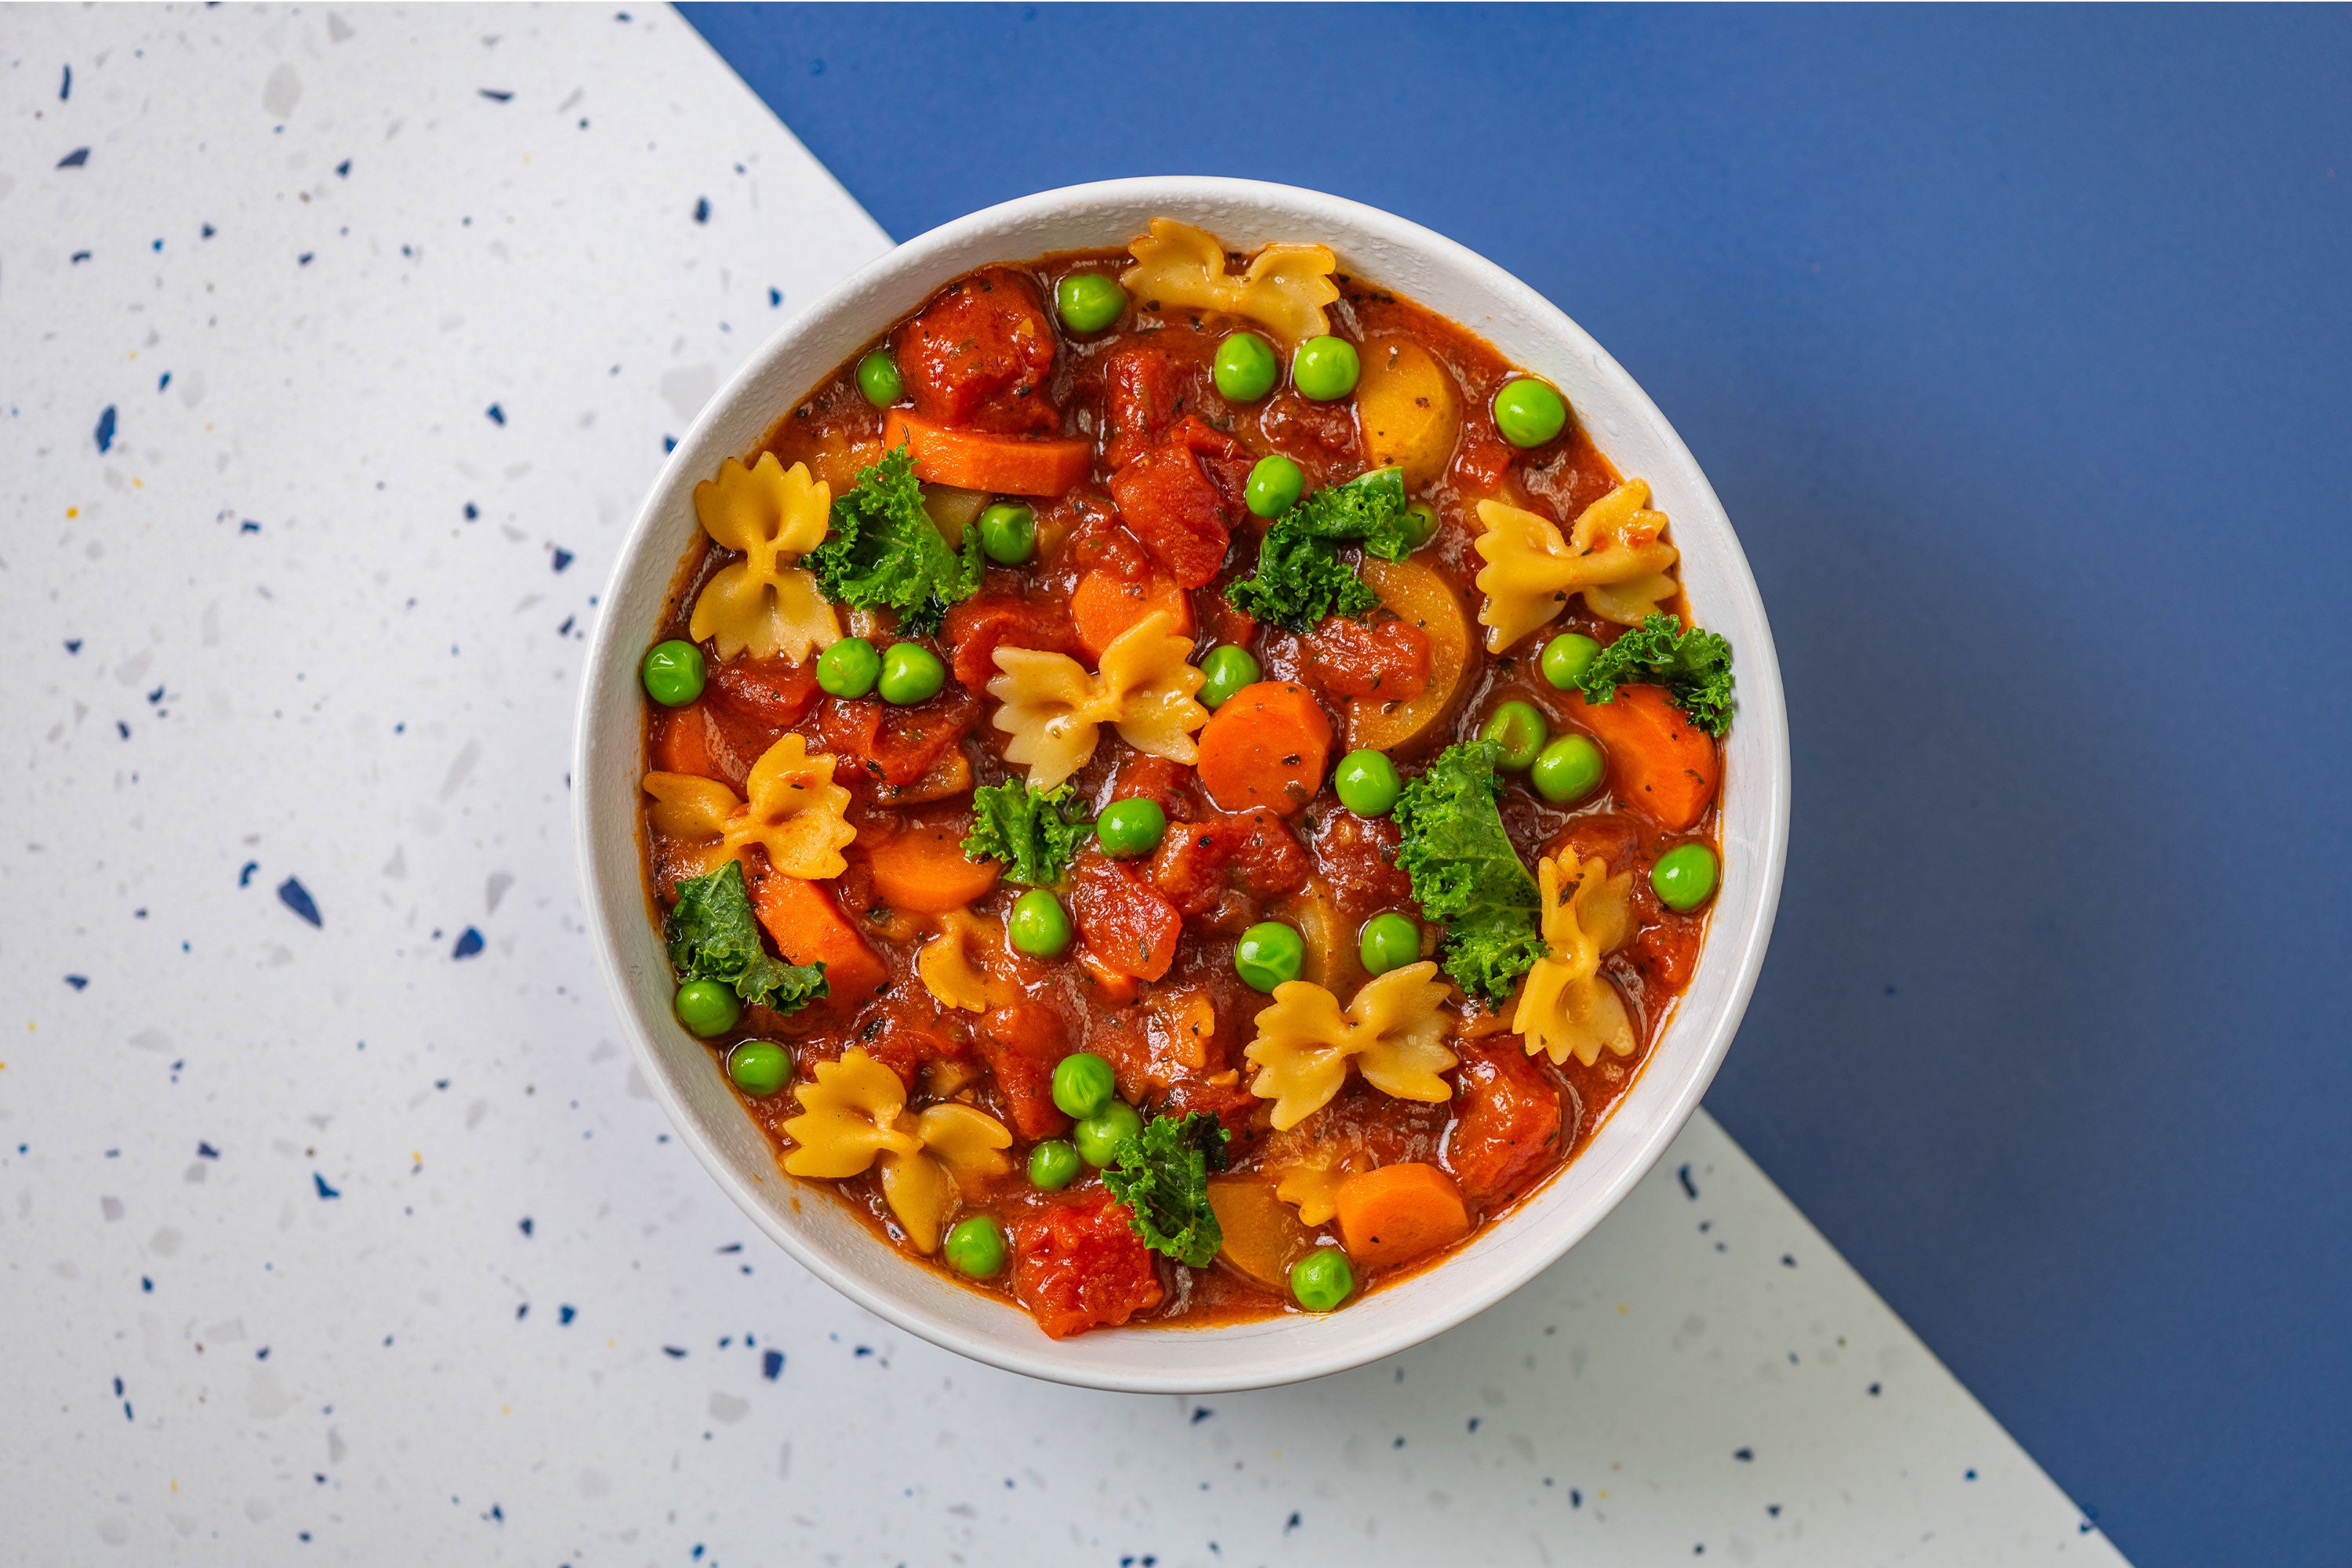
[{"x": 815, "y": 1227}]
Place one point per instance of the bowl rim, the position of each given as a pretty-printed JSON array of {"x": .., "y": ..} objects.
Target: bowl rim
[{"x": 1761, "y": 705}]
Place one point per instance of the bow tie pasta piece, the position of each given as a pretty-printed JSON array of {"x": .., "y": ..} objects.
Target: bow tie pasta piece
[
  {"x": 1179, "y": 267},
  {"x": 1392, "y": 1031},
  {"x": 764, "y": 603},
  {"x": 1143, "y": 686},
  {"x": 855, "y": 1114},
  {"x": 952, "y": 968},
  {"x": 1612, "y": 557},
  {"x": 693, "y": 811},
  {"x": 1312, "y": 1190},
  {"x": 1567, "y": 1007},
  {"x": 796, "y": 813}
]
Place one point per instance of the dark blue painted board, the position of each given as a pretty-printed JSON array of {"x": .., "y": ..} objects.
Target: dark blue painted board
[{"x": 2017, "y": 344}]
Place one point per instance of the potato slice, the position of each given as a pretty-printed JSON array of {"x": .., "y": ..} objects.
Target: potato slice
[
  {"x": 1262, "y": 1235},
  {"x": 1421, "y": 599},
  {"x": 1331, "y": 960},
  {"x": 1409, "y": 408}
]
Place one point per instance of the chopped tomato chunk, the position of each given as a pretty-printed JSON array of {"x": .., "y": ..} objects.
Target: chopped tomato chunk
[
  {"x": 1510, "y": 1119},
  {"x": 1021, "y": 1043},
  {"x": 873, "y": 739},
  {"x": 1193, "y": 859},
  {"x": 980, "y": 353},
  {"x": 1385, "y": 660},
  {"x": 976, "y": 629},
  {"x": 774, "y": 692},
  {"x": 1127, "y": 925},
  {"x": 1172, "y": 503},
  {"x": 1144, "y": 391},
  {"x": 1079, "y": 1265}
]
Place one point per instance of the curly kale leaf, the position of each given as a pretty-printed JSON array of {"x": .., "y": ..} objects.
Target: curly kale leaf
[
  {"x": 881, "y": 550},
  {"x": 1466, "y": 873},
  {"x": 1300, "y": 578},
  {"x": 713, "y": 935},
  {"x": 1031, "y": 833},
  {"x": 1161, "y": 1174},
  {"x": 1695, "y": 667}
]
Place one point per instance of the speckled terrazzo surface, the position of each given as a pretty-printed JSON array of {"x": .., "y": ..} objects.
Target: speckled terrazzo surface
[{"x": 335, "y": 348}]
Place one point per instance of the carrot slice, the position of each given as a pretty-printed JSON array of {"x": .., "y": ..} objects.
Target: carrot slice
[
  {"x": 809, "y": 928},
  {"x": 977, "y": 460},
  {"x": 682, "y": 743},
  {"x": 1266, "y": 746},
  {"x": 1397, "y": 1212},
  {"x": 922, "y": 867},
  {"x": 1106, "y": 603},
  {"x": 1661, "y": 765}
]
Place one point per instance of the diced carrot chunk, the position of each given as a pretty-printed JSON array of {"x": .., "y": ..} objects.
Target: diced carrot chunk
[
  {"x": 977, "y": 460},
  {"x": 1105, "y": 605},
  {"x": 1266, "y": 746},
  {"x": 808, "y": 927},
  {"x": 1661, "y": 764},
  {"x": 1398, "y": 1213}
]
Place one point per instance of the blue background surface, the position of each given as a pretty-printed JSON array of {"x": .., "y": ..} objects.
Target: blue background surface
[{"x": 2017, "y": 345}]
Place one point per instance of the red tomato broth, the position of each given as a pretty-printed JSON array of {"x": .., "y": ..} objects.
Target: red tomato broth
[{"x": 1134, "y": 390}]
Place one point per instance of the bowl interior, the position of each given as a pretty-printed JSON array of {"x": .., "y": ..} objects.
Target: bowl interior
[{"x": 815, "y": 1227}]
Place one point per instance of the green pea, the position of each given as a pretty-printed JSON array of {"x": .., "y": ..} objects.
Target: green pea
[
  {"x": 1245, "y": 368},
  {"x": 1566, "y": 659},
  {"x": 848, "y": 667},
  {"x": 1367, "y": 784},
  {"x": 1130, "y": 827},
  {"x": 1228, "y": 669},
  {"x": 707, "y": 1007},
  {"x": 1568, "y": 769},
  {"x": 1529, "y": 412},
  {"x": 1421, "y": 520},
  {"x": 910, "y": 673},
  {"x": 1684, "y": 877},
  {"x": 1269, "y": 953},
  {"x": 1097, "y": 1136},
  {"x": 975, "y": 1247},
  {"x": 1519, "y": 727},
  {"x": 1040, "y": 925},
  {"x": 1089, "y": 301},
  {"x": 1273, "y": 486},
  {"x": 1083, "y": 1084},
  {"x": 878, "y": 379},
  {"x": 1008, "y": 531},
  {"x": 760, "y": 1067},
  {"x": 1322, "y": 1279},
  {"x": 1324, "y": 369},
  {"x": 1054, "y": 1164},
  {"x": 673, "y": 673},
  {"x": 1389, "y": 942}
]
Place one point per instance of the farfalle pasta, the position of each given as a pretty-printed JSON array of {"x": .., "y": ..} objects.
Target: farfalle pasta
[
  {"x": 853, "y": 1115},
  {"x": 1130, "y": 972},
  {"x": 765, "y": 604},
  {"x": 1283, "y": 288},
  {"x": 794, "y": 813},
  {"x": 1052, "y": 708},
  {"x": 1567, "y": 1007},
  {"x": 951, "y": 964},
  {"x": 1393, "y": 1031},
  {"x": 1612, "y": 557}
]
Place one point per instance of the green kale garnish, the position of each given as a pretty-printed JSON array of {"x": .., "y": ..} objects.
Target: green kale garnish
[
  {"x": 1032, "y": 832},
  {"x": 713, "y": 935},
  {"x": 1300, "y": 578},
  {"x": 882, "y": 548},
  {"x": 1161, "y": 1174},
  {"x": 1466, "y": 873},
  {"x": 1695, "y": 667}
]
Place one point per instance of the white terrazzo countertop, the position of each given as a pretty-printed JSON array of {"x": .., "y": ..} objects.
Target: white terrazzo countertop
[{"x": 336, "y": 347}]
